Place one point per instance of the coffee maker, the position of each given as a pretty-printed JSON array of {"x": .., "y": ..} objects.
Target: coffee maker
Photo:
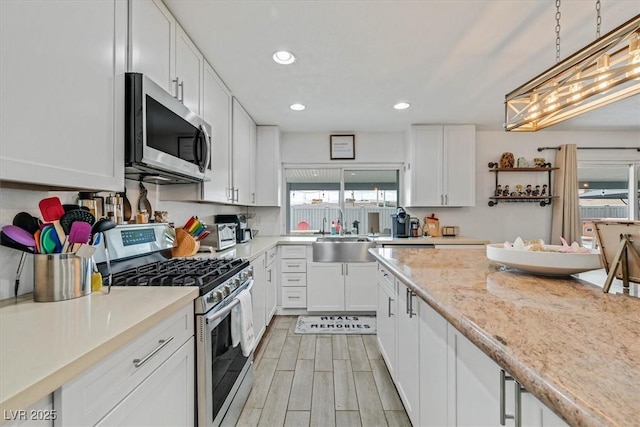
[{"x": 400, "y": 224}]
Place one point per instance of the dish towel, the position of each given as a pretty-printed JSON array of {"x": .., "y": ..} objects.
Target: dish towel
[{"x": 242, "y": 323}]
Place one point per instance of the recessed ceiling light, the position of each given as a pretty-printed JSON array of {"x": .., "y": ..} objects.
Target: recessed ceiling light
[
  {"x": 402, "y": 106},
  {"x": 283, "y": 57},
  {"x": 297, "y": 107}
]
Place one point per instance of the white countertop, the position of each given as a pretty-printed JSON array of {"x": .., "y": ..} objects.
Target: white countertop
[{"x": 44, "y": 345}]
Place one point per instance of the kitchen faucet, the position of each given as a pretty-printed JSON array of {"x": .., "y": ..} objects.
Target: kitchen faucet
[{"x": 324, "y": 221}]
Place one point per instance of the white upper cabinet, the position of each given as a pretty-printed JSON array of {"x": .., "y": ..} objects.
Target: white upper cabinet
[
  {"x": 161, "y": 49},
  {"x": 216, "y": 108},
  {"x": 189, "y": 71},
  {"x": 440, "y": 169},
  {"x": 62, "y": 86},
  {"x": 268, "y": 167},
  {"x": 244, "y": 152},
  {"x": 151, "y": 42}
]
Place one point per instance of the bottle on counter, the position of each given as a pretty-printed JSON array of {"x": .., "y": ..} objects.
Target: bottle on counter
[{"x": 333, "y": 228}]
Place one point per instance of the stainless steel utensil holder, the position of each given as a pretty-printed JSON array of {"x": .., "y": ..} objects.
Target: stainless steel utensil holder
[{"x": 59, "y": 277}]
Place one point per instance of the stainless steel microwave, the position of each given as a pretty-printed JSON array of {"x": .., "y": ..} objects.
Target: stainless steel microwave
[{"x": 165, "y": 142}]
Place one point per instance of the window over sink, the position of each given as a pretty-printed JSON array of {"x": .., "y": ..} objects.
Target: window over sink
[{"x": 318, "y": 196}]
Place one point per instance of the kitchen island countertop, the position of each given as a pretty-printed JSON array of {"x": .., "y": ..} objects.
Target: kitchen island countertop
[
  {"x": 44, "y": 345},
  {"x": 574, "y": 347}
]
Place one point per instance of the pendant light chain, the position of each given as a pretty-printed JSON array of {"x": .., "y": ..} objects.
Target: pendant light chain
[
  {"x": 557, "y": 31},
  {"x": 598, "y": 19}
]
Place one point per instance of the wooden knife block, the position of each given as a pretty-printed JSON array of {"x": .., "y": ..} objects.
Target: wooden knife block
[{"x": 185, "y": 244}]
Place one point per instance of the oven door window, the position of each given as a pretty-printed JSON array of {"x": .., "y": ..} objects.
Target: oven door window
[{"x": 226, "y": 363}]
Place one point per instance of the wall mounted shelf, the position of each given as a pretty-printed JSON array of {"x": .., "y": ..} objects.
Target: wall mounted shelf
[{"x": 543, "y": 200}]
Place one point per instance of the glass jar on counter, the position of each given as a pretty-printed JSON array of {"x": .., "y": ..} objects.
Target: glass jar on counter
[{"x": 161, "y": 216}]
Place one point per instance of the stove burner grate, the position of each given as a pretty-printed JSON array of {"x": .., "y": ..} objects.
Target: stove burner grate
[{"x": 204, "y": 273}]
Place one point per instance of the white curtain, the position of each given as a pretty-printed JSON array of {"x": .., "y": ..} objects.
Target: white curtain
[{"x": 565, "y": 219}]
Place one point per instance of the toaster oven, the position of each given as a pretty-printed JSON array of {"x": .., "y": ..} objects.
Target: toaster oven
[{"x": 223, "y": 236}]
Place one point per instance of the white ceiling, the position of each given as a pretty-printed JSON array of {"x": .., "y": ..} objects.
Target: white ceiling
[{"x": 453, "y": 60}]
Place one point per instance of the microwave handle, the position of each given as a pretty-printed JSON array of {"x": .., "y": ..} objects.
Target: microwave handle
[{"x": 201, "y": 148}]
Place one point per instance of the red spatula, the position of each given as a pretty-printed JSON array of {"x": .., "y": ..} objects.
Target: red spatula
[{"x": 52, "y": 210}]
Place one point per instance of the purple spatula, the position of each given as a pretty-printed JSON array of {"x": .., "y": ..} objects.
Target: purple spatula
[{"x": 79, "y": 234}]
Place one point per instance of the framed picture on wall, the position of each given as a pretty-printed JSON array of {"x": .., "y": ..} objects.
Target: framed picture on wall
[{"x": 342, "y": 147}]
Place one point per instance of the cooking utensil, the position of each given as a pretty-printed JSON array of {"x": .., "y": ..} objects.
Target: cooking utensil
[
  {"x": 27, "y": 222},
  {"x": 10, "y": 243},
  {"x": 143, "y": 202},
  {"x": 52, "y": 211},
  {"x": 100, "y": 227},
  {"x": 47, "y": 242},
  {"x": 75, "y": 215},
  {"x": 18, "y": 235},
  {"x": 36, "y": 237},
  {"x": 127, "y": 206},
  {"x": 80, "y": 233},
  {"x": 19, "y": 273}
]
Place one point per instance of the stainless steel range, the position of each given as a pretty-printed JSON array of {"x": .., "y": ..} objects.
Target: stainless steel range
[{"x": 141, "y": 256}]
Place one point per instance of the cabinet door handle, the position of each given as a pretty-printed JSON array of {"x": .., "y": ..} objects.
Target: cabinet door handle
[
  {"x": 176, "y": 81},
  {"x": 406, "y": 292},
  {"x": 270, "y": 276},
  {"x": 446, "y": 199},
  {"x": 410, "y": 300},
  {"x": 516, "y": 416},
  {"x": 162, "y": 343},
  {"x": 390, "y": 301},
  {"x": 346, "y": 267},
  {"x": 293, "y": 280},
  {"x": 181, "y": 86},
  {"x": 292, "y": 297},
  {"x": 253, "y": 197},
  {"x": 236, "y": 190}
]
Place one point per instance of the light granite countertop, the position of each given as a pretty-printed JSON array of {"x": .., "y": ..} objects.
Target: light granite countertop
[
  {"x": 574, "y": 347},
  {"x": 44, "y": 345}
]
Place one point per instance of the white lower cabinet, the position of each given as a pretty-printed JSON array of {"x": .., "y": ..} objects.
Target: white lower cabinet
[
  {"x": 442, "y": 377},
  {"x": 341, "y": 286},
  {"x": 408, "y": 353},
  {"x": 164, "y": 398},
  {"x": 293, "y": 275},
  {"x": 271, "y": 290},
  {"x": 40, "y": 414},
  {"x": 433, "y": 367},
  {"x": 386, "y": 316},
  {"x": 258, "y": 296},
  {"x": 147, "y": 382}
]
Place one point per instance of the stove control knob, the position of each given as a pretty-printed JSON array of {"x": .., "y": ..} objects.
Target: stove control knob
[
  {"x": 228, "y": 289},
  {"x": 218, "y": 296},
  {"x": 244, "y": 275},
  {"x": 250, "y": 272},
  {"x": 236, "y": 282},
  {"x": 211, "y": 298}
]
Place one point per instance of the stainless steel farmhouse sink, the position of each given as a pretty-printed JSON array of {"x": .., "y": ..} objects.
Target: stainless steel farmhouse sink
[{"x": 342, "y": 249}]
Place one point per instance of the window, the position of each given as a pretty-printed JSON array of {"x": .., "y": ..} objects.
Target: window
[
  {"x": 318, "y": 197},
  {"x": 607, "y": 191}
]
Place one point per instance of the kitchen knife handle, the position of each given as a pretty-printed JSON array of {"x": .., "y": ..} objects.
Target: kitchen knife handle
[{"x": 162, "y": 343}]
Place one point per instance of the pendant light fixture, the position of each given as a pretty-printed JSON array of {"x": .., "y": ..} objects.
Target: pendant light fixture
[{"x": 603, "y": 72}]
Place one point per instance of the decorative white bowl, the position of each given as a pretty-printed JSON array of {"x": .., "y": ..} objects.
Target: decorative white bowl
[{"x": 544, "y": 263}]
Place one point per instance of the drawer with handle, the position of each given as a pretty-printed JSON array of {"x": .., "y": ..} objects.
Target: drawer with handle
[
  {"x": 294, "y": 279},
  {"x": 293, "y": 251},
  {"x": 293, "y": 266},
  {"x": 87, "y": 398},
  {"x": 294, "y": 297}
]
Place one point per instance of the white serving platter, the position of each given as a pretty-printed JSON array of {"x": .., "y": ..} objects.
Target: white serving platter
[{"x": 544, "y": 263}]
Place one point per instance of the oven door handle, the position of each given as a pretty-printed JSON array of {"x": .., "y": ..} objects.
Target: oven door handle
[{"x": 222, "y": 313}]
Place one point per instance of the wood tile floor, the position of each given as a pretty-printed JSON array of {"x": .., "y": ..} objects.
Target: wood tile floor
[{"x": 320, "y": 380}]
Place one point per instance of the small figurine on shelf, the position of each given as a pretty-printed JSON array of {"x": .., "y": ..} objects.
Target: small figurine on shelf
[
  {"x": 506, "y": 190},
  {"x": 539, "y": 162},
  {"x": 518, "y": 191},
  {"x": 498, "y": 191},
  {"x": 544, "y": 190},
  {"x": 522, "y": 162},
  {"x": 528, "y": 190},
  {"x": 536, "y": 192}
]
